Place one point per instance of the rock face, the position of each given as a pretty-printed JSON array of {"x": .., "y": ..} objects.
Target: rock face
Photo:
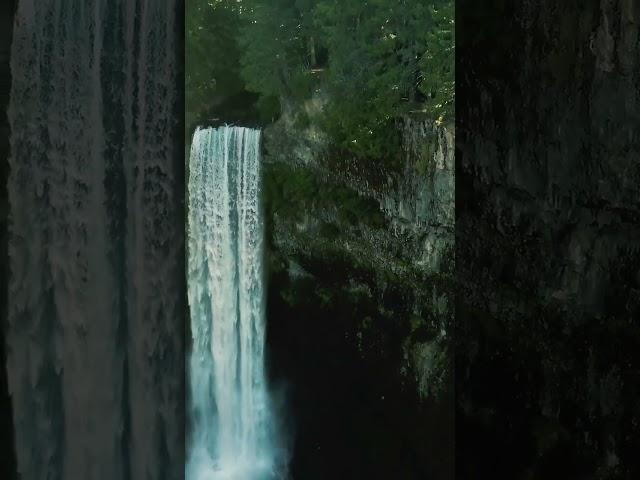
[
  {"x": 95, "y": 354},
  {"x": 360, "y": 304},
  {"x": 547, "y": 228},
  {"x": 397, "y": 225}
]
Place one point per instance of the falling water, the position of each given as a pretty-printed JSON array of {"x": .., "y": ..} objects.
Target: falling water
[
  {"x": 96, "y": 265},
  {"x": 231, "y": 429}
]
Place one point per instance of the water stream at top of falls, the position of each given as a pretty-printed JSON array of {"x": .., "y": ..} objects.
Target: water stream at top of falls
[{"x": 231, "y": 423}]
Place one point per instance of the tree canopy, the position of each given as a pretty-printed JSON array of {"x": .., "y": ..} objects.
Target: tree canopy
[
  {"x": 211, "y": 53},
  {"x": 377, "y": 59}
]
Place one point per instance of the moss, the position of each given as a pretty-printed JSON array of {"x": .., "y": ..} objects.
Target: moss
[
  {"x": 302, "y": 121},
  {"x": 268, "y": 108},
  {"x": 416, "y": 322},
  {"x": 425, "y": 166},
  {"x": 293, "y": 191},
  {"x": 288, "y": 191}
]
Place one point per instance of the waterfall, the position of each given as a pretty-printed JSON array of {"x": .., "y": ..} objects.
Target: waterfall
[
  {"x": 231, "y": 432},
  {"x": 95, "y": 339}
]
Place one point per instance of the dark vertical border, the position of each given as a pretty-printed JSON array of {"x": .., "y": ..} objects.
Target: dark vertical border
[
  {"x": 547, "y": 229},
  {"x": 7, "y": 453},
  {"x": 180, "y": 172}
]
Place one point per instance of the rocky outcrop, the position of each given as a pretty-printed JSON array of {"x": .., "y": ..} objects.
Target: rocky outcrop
[
  {"x": 360, "y": 305},
  {"x": 394, "y": 223}
]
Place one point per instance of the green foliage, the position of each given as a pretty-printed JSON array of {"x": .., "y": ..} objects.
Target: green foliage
[
  {"x": 211, "y": 55},
  {"x": 274, "y": 60},
  {"x": 437, "y": 77},
  {"x": 293, "y": 192},
  {"x": 387, "y": 58},
  {"x": 289, "y": 190},
  {"x": 371, "y": 68},
  {"x": 378, "y": 60}
]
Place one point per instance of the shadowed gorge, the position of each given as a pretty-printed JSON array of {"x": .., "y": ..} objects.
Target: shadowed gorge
[
  {"x": 549, "y": 215},
  {"x": 355, "y": 102}
]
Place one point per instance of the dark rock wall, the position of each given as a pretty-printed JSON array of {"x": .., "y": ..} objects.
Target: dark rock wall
[
  {"x": 360, "y": 302},
  {"x": 7, "y": 458},
  {"x": 548, "y": 239}
]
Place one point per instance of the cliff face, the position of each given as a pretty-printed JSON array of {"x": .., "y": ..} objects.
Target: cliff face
[
  {"x": 548, "y": 221},
  {"x": 361, "y": 258},
  {"x": 396, "y": 224}
]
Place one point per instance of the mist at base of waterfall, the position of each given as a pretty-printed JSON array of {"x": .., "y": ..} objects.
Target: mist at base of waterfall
[{"x": 201, "y": 467}]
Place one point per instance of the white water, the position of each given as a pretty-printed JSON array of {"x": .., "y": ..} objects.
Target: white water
[{"x": 231, "y": 428}]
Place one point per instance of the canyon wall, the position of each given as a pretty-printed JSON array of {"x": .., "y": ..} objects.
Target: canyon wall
[{"x": 547, "y": 228}]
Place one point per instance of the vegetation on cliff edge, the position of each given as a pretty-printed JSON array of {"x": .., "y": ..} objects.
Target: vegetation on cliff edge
[{"x": 377, "y": 60}]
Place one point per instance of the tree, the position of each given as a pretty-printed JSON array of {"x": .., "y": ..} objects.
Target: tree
[
  {"x": 275, "y": 59},
  {"x": 382, "y": 59},
  {"x": 212, "y": 69},
  {"x": 386, "y": 58},
  {"x": 437, "y": 63}
]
